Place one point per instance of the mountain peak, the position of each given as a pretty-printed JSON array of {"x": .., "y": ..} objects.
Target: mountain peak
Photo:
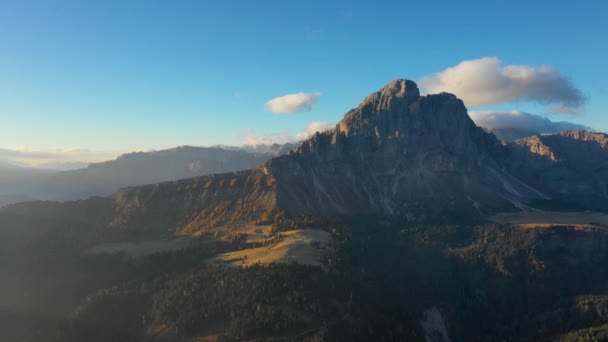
[
  {"x": 397, "y": 91},
  {"x": 397, "y": 119},
  {"x": 400, "y": 88},
  {"x": 390, "y": 103}
]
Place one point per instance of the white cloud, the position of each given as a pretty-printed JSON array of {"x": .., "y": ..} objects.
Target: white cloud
[
  {"x": 314, "y": 127},
  {"x": 522, "y": 121},
  {"x": 485, "y": 81},
  {"x": 293, "y": 103}
]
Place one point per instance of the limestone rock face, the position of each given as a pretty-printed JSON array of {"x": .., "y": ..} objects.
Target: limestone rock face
[
  {"x": 398, "y": 153},
  {"x": 570, "y": 166},
  {"x": 377, "y": 114}
]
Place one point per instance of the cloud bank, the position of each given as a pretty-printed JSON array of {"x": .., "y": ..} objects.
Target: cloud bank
[
  {"x": 293, "y": 103},
  {"x": 486, "y": 81},
  {"x": 522, "y": 121}
]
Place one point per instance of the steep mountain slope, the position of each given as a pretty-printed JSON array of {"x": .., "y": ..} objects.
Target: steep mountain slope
[
  {"x": 399, "y": 153},
  {"x": 192, "y": 205},
  {"x": 152, "y": 167},
  {"x": 569, "y": 166}
]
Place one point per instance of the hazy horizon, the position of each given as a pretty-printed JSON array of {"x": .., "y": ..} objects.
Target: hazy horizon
[{"x": 71, "y": 159}]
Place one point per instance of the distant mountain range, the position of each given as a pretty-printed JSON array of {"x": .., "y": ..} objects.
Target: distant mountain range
[
  {"x": 102, "y": 179},
  {"x": 11, "y": 199},
  {"x": 16, "y": 181}
]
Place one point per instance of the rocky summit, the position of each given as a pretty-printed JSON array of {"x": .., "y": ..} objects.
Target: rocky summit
[{"x": 399, "y": 153}]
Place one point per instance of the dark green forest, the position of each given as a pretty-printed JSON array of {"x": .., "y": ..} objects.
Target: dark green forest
[{"x": 489, "y": 282}]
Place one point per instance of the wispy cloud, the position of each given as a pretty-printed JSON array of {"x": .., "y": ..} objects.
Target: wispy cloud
[
  {"x": 250, "y": 136},
  {"x": 293, "y": 103},
  {"x": 486, "y": 81},
  {"x": 523, "y": 121},
  {"x": 314, "y": 127}
]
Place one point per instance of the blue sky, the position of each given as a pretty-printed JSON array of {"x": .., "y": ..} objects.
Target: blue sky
[{"x": 123, "y": 75}]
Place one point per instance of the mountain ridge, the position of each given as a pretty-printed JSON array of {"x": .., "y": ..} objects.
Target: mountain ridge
[
  {"x": 132, "y": 169},
  {"x": 569, "y": 166},
  {"x": 397, "y": 154}
]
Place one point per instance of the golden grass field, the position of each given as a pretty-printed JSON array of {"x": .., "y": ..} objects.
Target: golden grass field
[{"x": 302, "y": 246}]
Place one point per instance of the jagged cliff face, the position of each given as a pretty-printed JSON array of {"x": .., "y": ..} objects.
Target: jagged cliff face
[
  {"x": 399, "y": 153},
  {"x": 397, "y": 121},
  {"x": 582, "y": 147},
  {"x": 571, "y": 166}
]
